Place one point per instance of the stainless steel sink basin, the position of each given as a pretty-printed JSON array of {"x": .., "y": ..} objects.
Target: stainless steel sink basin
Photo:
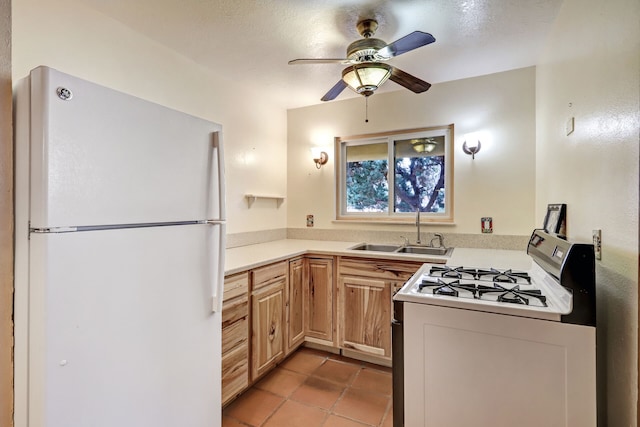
[
  {"x": 424, "y": 250},
  {"x": 416, "y": 250},
  {"x": 375, "y": 247}
]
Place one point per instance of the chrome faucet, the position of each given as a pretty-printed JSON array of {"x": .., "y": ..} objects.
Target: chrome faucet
[
  {"x": 418, "y": 241},
  {"x": 439, "y": 238}
]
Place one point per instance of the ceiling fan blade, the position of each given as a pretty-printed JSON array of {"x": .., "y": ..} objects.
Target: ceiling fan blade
[
  {"x": 334, "y": 91},
  {"x": 405, "y": 44},
  {"x": 412, "y": 83},
  {"x": 320, "y": 61}
]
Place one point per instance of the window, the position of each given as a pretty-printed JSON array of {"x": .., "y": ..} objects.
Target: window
[{"x": 421, "y": 178}]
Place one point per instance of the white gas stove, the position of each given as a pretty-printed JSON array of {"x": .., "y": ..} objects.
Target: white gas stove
[
  {"x": 530, "y": 293},
  {"x": 530, "y": 334}
]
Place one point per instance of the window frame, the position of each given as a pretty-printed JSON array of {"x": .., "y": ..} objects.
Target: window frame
[{"x": 341, "y": 143}]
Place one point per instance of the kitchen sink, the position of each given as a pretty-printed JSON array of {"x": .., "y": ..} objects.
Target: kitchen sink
[
  {"x": 375, "y": 247},
  {"x": 424, "y": 250},
  {"x": 416, "y": 250}
]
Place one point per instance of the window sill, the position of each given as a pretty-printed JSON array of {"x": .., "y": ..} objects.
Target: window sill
[{"x": 394, "y": 221}]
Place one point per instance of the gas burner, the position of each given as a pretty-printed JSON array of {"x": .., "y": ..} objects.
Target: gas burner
[
  {"x": 506, "y": 276},
  {"x": 513, "y": 295},
  {"x": 451, "y": 288},
  {"x": 453, "y": 272}
]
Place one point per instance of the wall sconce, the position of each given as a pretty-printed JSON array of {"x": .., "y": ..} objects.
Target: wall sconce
[
  {"x": 473, "y": 149},
  {"x": 319, "y": 157}
]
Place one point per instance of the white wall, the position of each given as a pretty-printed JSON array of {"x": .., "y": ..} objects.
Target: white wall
[
  {"x": 591, "y": 71},
  {"x": 498, "y": 183},
  {"x": 6, "y": 219},
  {"x": 77, "y": 40}
]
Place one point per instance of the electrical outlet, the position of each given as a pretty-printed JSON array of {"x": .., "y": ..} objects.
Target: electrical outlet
[
  {"x": 597, "y": 243},
  {"x": 486, "y": 224},
  {"x": 309, "y": 220}
]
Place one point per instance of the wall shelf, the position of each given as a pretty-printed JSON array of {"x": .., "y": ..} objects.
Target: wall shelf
[{"x": 253, "y": 197}]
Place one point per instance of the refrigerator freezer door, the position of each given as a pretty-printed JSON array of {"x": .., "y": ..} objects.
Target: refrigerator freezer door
[
  {"x": 122, "y": 332},
  {"x": 99, "y": 157}
]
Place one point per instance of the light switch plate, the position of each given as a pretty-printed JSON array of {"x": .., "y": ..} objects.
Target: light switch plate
[
  {"x": 570, "y": 125},
  {"x": 597, "y": 243}
]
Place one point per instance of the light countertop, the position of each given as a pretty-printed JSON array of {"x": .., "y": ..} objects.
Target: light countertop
[{"x": 248, "y": 257}]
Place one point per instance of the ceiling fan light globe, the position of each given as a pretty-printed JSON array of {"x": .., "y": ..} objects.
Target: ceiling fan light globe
[{"x": 365, "y": 79}]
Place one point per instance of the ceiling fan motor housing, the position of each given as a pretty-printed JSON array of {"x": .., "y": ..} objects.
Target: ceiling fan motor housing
[{"x": 364, "y": 50}]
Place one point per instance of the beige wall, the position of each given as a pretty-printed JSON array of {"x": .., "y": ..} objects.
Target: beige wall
[
  {"x": 500, "y": 182},
  {"x": 77, "y": 40},
  {"x": 591, "y": 71},
  {"x": 6, "y": 219}
]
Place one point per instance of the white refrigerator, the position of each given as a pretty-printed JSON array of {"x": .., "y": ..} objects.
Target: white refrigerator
[{"x": 120, "y": 237}]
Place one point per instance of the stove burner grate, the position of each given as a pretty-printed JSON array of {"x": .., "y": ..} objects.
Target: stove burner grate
[
  {"x": 452, "y": 288},
  {"x": 514, "y": 295},
  {"x": 453, "y": 272},
  {"x": 506, "y": 276}
]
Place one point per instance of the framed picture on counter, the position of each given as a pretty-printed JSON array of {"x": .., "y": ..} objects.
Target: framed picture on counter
[{"x": 555, "y": 220}]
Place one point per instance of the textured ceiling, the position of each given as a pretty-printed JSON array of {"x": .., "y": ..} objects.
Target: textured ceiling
[{"x": 252, "y": 40}]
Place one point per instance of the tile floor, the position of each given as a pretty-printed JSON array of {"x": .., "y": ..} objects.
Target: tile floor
[{"x": 316, "y": 389}]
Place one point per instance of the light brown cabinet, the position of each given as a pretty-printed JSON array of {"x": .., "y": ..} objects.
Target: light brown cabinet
[
  {"x": 269, "y": 311},
  {"x": 235, "y": 336},
  {"x": 319, "y": 301},
  {"x": 365, "y": 289},
  {"x": 268, "y": 339},
  {"x": 365, "y": 315},
  {"x": 295, "y": 305}
]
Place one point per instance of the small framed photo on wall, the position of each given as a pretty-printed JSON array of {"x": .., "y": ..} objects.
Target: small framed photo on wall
[{"x": 555, "y": 220}]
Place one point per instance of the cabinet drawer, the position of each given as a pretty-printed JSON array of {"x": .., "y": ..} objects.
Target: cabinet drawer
[
  {"x": 235, "y": 334},
  {"x": 235, "y": 372},
  {"x": 236, "y": 285},
  {"x": 234, "y": 310},
  {"x": 264, "y": 275},
  {"x": 378, "y": 268}
]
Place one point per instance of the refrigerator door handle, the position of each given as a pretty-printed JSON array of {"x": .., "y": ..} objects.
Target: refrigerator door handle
[
  {"x": 218, "y": 285},
  {"x": 217, "y": 143},
  {"x": 217, "y": 288}
]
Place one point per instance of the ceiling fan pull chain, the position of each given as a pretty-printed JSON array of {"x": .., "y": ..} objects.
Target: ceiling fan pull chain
[{"x": 366, "y": 109}]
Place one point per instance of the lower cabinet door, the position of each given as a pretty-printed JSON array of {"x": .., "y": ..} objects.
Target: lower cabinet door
[
  {"x": 365, "y": 315},
  {"x": 268, "y": 327},
  {"x": 319, "y": 299},
  {"x": 295, "y": 306}
]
